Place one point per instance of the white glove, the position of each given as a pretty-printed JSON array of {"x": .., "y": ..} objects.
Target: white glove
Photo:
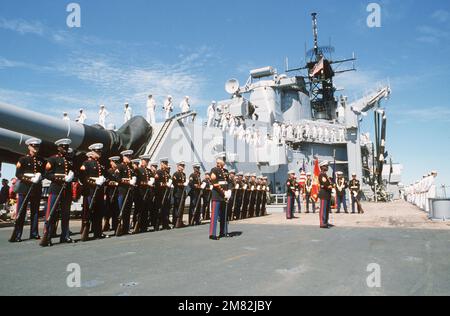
[
  {"x": 151, "y": 182},
  {"x": 296, "y": 193},
  {"x": 258, "y": 188},
  {"x": 186, "y": 183},
  {"x": 203, "y": 186},
  {"x": 236, "y": 187},
  {"x": 169, "y": 183},
  {"x": 100, "y": 181},
  {"x": 69, "y": 177},
  {"x": 227, "y": 195},
  {"x": 133, "y": 181},
  {"x": 37, "y": 177},
  {"x": 253, "y": 188},
  {"x": 245, "y": 187}
]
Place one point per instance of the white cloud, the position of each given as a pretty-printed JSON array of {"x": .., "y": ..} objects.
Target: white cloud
[
  {"x": 441, "y": 16},
  {"x": 429, "y": 114},
  {"x": 23, "y": 27}
]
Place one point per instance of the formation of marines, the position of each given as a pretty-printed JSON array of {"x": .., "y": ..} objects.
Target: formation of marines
[
  {"x": 327, "y": 188},
  {"x": 130, "y": 196}
]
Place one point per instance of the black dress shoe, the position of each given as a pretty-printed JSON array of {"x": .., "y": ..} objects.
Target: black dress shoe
[
  {"x": 214, "y": 238},
  {"x": 324, "y": 227},
  {"x": 66, "y": 241},
  {"x": 15, "y": 240},
  {"x": 330, "y": 226},
  {"x": 35, "y": 237}
]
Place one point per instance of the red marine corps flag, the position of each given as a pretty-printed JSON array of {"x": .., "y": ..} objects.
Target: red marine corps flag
[{"x": 315, "y": 187}]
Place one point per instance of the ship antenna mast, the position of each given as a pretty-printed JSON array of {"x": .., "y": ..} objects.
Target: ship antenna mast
[{"x": 316, "y": 35}]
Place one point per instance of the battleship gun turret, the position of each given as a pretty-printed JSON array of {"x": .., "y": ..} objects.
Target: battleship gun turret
[{"x": 18, "y": 124}]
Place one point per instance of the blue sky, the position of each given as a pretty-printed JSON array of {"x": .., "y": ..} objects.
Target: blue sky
[{"x": 127, "y": 49}]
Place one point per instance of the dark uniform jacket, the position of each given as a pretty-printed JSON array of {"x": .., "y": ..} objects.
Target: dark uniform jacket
[
  {"x": 161, "y": 179},
  {"x": 355, "y": 187},
  {"x": 31, "y": 165},
  {"x": 113, "y": 182},
  {"x": 60, "y": 166},
  {"x": 220, "y": 184},
  {"x": 143, "y": 177},
  {"x": 90, "y": 170},
  {"x": 291, "y": 187},
  {"x": 325, "y": 187},
  {"x": 179, "y": 179},
  {"x": 124, "y": 173},
  {"x": 194, "y": 184}
]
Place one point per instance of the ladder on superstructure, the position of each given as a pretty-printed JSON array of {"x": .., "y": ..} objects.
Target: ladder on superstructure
[{"x": 164, "y": 129}]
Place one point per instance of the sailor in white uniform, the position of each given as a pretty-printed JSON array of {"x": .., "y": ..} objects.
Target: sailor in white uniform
[
  {"x": 211, "y": 113},
  {"x": 168, "y": 106},
  {"x": 128, "y": 113},
  {"x": 151, "y": 109},
  {"x": 102, "y": 115},
  {"x": 81, "y": 117}
]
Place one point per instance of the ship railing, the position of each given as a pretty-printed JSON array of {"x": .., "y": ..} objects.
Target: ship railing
[{"x": 278, "y": 199}]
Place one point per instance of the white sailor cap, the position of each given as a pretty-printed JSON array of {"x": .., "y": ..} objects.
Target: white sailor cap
[
  {"x": 81, "y": 110},
  {"x": 291, "y": 172},
  {"x": 186, "y": 97},
  {"x": 33, "y": 142},
  {"x": 70, "y": 150},
  {"x": 102, "y": 105},
  {"x": 196, "y": 165},
  {"x": 340, "y": 173},
  {"x": 181, "y": 163},
  {"x": 247, "y": 175},
  {"x": 164, "y": 160},
  {"x": 324, "y": 163},
  {"x": 154, "y": 163},
  {"x": 126, "y": 103},
  {"x": 136, "y": 161},
  {"x": 253, "y": 175},
  {"x": 127, "y": 153},
  {"x": 90, "y": 154},
  {"x": 232, "y": 171},
  {"x": 63, "y": 142},
  {"x": 221, "y": 155},
  {"x": 434, "y": 172},
  {"x": 308, "y": 174},
  {"x": 96, "y": 147},
  {"x": 240, "y": 174},
  {"x": 145, "y": 157},
  {"x": 114, "y": 158},
  {"x": 353, "y": 174}
]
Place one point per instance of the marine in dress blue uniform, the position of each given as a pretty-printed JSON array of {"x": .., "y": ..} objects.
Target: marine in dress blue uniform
[
  {"x": 59, "y": 170},
  {"x": 326, "y": 188},
  {"x": 29, "y": 170},
  {"x": 195, "y": 183},
  {"x": 127, "y": 181},
  {"x": 341, "y": 187},
  {"x": 219, "y": 180},
  {"x": 111, "y": 203},
  {"x": 308, "y": 192},
  {"x": 92, "y": 175},
  {"x": 291, "y": 189}
]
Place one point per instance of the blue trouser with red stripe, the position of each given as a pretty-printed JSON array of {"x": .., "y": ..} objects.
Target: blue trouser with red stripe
[
  {"x": 217, "y": 212},
  {"x": 64, "y": 207},
  {"x": 34, "y": 212},
  {"x": 290, "y": 207},
  {"x": 325, "y": 206}
]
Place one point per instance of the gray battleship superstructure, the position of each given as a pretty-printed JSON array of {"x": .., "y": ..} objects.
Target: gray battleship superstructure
[{"x": 272, "y": 124}]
